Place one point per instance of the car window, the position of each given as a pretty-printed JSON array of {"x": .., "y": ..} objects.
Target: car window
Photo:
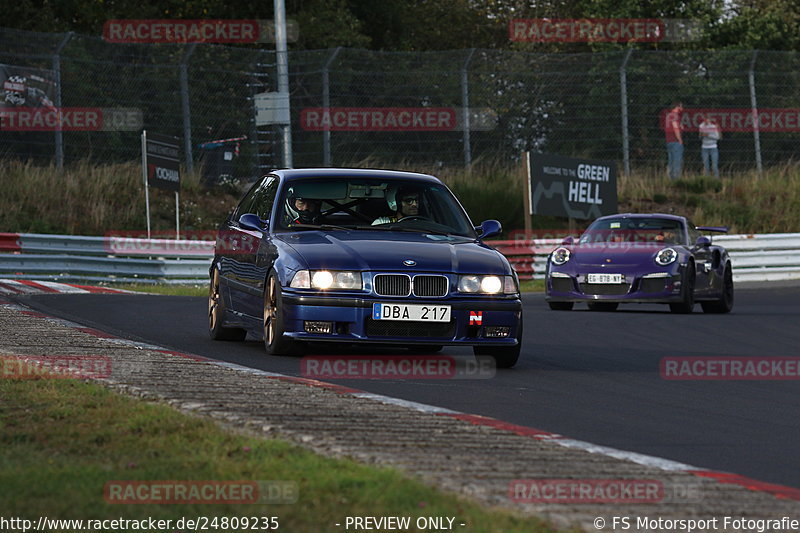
[
  {"x": 247, "y": 200},
  {"x": 693, "y": 233},
  {"x": 265, "y": 198},
  {"x": 373, "y": 203},
  {"x": 634, "y": 229},
  {"x": 259, "y": 199}
]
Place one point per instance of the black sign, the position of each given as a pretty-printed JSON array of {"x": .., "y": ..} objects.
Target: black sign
[
  {"x": 163, "y": 161},
  {"x": 575, "y": 188},
  {"x": 26, "y": 87}
]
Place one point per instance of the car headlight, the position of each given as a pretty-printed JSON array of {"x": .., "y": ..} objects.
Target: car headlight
[
  {"x": 666, "y": 256},
  {"x": 560, "y": 256},
  {"x": 326, "y": 279},
  {"x": 487, "y": 284}
]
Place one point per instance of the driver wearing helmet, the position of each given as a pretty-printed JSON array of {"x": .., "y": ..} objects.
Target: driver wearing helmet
[
  {"x": 405, "y": 203},
  {"x": 302, "y": 210}
]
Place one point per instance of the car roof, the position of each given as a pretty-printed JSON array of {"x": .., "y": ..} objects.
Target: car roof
[{"x": 300, "y": 173}]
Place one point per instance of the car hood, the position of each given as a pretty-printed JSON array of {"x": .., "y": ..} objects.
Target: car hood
[
  {"x": 617, "y": 253},
  {"x": 386, "y": 251}
]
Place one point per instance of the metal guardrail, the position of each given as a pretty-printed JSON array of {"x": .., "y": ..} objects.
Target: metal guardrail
[
  {"x": 755, "y": 257},
  {"x": 113, "y": 258},
  {"x": 764, "y": 257}
]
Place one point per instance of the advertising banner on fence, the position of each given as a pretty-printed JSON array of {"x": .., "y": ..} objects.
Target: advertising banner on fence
[
  {"x": 162, "y": 157},
  {"x": 26, "y": 87},
  {"x": 575, "y": 188}
]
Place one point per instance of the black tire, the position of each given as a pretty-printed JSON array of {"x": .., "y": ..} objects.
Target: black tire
[
  {"x": 686, "y": 305},
  {"x": 561, "y": 306},
  {"x": 725, "y": 303},
  {"x": 273, "y": 327},
  {"x": 504, "y": 356},
  {"x": 603, "y": 306},
  {"x": 216, "y": 314}
]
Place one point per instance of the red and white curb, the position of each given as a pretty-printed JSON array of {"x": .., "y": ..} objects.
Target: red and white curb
[
  {"x": 779, "y": 491},
  {"x": 16, "y": 287}
]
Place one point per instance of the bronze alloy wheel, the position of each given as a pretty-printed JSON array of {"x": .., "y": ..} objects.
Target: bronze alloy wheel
[
  {"x": 275, "y": 342},
  {"x": 216, "y": 314}
]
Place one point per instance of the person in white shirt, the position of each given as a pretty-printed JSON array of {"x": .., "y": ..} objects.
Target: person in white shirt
[{"x": 710, "y": 134}]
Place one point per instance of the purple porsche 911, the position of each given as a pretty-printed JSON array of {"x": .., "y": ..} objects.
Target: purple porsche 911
[{"x": 641, "y": 258}]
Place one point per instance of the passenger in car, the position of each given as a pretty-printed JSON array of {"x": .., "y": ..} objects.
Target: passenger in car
[
  {"x": 666, "y": 236},
  {"x": 404, "y": 202}
]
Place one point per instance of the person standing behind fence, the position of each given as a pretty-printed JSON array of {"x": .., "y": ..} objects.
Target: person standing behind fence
[
  {"x": 672, "y": 129},
  {"x": 710, "y": 134}
]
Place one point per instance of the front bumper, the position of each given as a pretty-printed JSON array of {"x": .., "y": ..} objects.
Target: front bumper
[
  {"x": 352, "y": 320},
  {"x": 637, "y": 287}
]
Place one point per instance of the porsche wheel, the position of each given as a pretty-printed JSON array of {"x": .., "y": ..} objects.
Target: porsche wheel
[
  {"x": 686, "y": 305},
  {"x": 274, "y": 340},
  {"x": 725, "y": 302},
  {"x": 216, "y": 314}
]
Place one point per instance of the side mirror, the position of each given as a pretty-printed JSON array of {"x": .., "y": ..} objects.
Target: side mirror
[
  {"x": 569, "y": 240},
  {"x": 703, "y": 242},
  {"x": 489, "y": 228},
  {"x": 252, "y": 222}
]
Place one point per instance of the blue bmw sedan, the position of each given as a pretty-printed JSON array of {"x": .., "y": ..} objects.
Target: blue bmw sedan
[{"x": 361, "y": 256}]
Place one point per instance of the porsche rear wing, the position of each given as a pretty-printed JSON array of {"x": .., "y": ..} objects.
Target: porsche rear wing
[{"x": 715, "y": 229}]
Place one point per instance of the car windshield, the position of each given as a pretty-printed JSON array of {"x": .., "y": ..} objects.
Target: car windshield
[
  {"x": 372, "y": 204},
  {"x": 634, "y": 230}
]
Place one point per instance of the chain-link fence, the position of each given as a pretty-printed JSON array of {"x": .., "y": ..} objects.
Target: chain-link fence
[{"x": 448, "y": 108}]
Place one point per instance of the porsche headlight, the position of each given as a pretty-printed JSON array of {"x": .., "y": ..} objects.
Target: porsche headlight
[
  {"x": 487, "y": 284},
  {"x": 666, "y": 256},
  {"x": 560, "y": 256},
  {"x": 326, "y": 279}
]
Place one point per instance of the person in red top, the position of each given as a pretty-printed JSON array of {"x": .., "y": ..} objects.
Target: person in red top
[{"x": 672, "y": 128}]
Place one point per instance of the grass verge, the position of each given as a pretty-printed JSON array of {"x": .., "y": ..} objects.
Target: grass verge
[
  {"x": 85, "y": 199},
  {"x": 167, "y": 290},
  {"x": 63, "y": 440}
]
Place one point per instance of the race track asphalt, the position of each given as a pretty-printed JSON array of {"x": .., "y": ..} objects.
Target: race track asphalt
[{"x": 592, "y": 376}]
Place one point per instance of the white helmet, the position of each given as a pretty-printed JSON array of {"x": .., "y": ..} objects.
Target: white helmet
[{"x": 303, "y": 217}]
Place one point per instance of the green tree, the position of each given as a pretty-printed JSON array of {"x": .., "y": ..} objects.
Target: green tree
[{"x": 759, "y": 25}]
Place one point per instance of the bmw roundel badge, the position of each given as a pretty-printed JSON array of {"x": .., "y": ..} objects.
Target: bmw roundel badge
[{"x": 410, "y": 263}]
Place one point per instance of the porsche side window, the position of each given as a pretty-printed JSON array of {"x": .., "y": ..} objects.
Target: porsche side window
[{"x": 693, "y": 233}]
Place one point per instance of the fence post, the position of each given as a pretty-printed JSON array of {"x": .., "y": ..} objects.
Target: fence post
[
  {"x": 326, "y": 104},
  {"x": 754, "y": 107},
  {"x": 59, "y": 136},
  {"x": 282, "y": 58},
  {"x": 187, "y": 117},
  {"x": 465, "y": 109},
  {"x": 623, "y": 95}
]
